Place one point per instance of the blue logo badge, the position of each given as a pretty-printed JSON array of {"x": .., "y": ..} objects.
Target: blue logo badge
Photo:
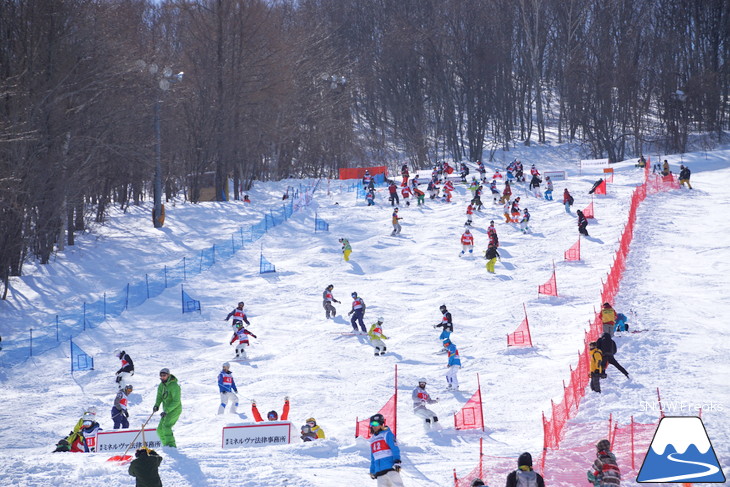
[{"x": 681, "y": 452}]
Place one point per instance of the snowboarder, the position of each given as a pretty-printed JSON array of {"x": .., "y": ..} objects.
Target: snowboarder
[
  {"x": 228, "y": 390},
  {"x": 241, "y": 334},
  {"x": 327, "y": 300},
  {"x": 453, "y": 366},
  {"x": 582, "y": 223},
  {"x": 524, "y": 223},
  {"x": 494, "y": 190},
  {"x": 567, "y": 200},
  {"x": 608, "y": 350},
  {"x": 393, "y": 190},
  {"x": 168, "y": 395},
  {"x": 239, "y": 316},
  {"x": 396, "y": 225},
  {"x": 469, "y": 213},
  {"x": 467, "y": 242},
  {"x": 492, "y": 256},
  {"x": 370, "y": 197},
  {"x": 448, "y": 189},
  {"x": 549, "y": 190},
  {"x": 404, "y": 174},
  {"x": 608, "y": 318},
  {"x": 318, "y": 432},
  {"x": 446, "y": 321},
  {"x": 605, "y": 471},
  {"x": 271, "y": 415},
  {"x": 524, "y": 475},
  {"x": 145, "y": 468},
  {"x": 421, "y": 399},
  {"x": 120, "y": 412},
  {"x": 346, "y": 249},
  {"x": 515, "y": 210},
  {"x": 376, "y": 337},
  {"x": 492, "y": 234},
  {"x": 420, "y": 195},
  {"x": 384, "y": 454},
  {"x": 357, "y": 312},
  {"x": 596, "y": 366},
  {"x": 406, "y": 193},
  {"x": 684, "y": 175},
  {"x": 126, "y": 370},
  {"x": 464, "y": 172}
]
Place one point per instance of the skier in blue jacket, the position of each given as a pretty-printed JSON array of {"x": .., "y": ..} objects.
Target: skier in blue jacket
[
  {"x": 228, "y": 389},
  {"x": 384, "y": 454},
  {"x": 453, "y": 366}
]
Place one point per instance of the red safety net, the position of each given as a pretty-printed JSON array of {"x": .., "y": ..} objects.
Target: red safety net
[
  {"x": 389, "y": 411},
  {"x": 601, "y": 188},
  {"x": 359, "y": 172},
  {"x": 521, "y": 336},
  {"x": 476, "y": 473},
  {"x": 573, "y": 253},
  {"x": 471, "y": 416},
  {"x": 550, "y": 288},
  {"x": 588, "y": 211}
]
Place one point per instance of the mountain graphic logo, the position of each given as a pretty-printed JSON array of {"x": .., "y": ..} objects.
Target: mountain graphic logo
[{"x": 680, "y": 452}]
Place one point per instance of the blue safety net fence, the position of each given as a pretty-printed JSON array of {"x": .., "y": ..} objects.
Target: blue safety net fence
[{"x": 72, "y": 322}]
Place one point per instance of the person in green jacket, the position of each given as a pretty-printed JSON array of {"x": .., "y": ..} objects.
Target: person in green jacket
[
  {"x": 168, "y": 394},
  {"x": 145, "y": 468}
]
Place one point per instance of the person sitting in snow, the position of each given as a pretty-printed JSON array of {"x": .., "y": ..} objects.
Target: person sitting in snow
[
  {"x": 271, "y": 415},
  {"x": 76, "y": 439},
  {"x": 315, "y": 428}
]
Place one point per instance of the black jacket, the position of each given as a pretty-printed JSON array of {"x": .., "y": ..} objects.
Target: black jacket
[
  {"x": 130, "y": 365},
  {"x": 491, "y": 253},
  {"x": 512, "y": 479},
  {"x": 606, "y": 344},
  {"x": 145, "y": 469}
]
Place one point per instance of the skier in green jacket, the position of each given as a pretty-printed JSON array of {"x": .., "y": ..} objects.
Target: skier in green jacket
[{"x": 168, "y": 394}]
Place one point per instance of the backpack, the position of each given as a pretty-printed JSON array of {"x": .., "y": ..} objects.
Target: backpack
[
  {"x": 570, "y": 200},
  {"x": 525, "y": 479}
]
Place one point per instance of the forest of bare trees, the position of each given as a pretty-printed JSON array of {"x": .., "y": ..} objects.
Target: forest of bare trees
[{"x": 273, "y": 89}]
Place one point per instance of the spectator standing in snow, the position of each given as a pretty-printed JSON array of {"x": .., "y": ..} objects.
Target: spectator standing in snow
[
  {"x": 126, "y": 370},
  {"x": 567, "y": 200},
  {"x": 145, "y": 468},
  {"x": 684, "y": 175},
  {"x": 346, "y": 249},
  {"x": 582, "y": 223},
  {"x": 327, "y": 300},
  {"x": 596, "y": 366},
  {"x": 421, "y": 399},
  {"x": 228, "y": 390},
  {"x": 168, "y": 395},
  {"x": 239, "y": 316},
  {"x": 384, "y": 454},
  {"x": 467, "y": 242},
  {"x": 604, "y": 471},
  {"x": 608, "y": 350},
  {"x": 376, "y": 337},
  {"x": 120, "y": 413},
  {"x": 549, "y": 190},
  {"x": 446, "y": 321},
  {"x": 393, "y": 190},
  {"x": 608, "y": 318},
  {"x": 524, "y": 475},
  {"x": 241, "y": 334},
  {"x": 491, "y": 255},
  {"x": 357, "y": 312},
  {"x": 271, "y": 415},
  {"x": 453, "y": 366},
  {"x": 396, "y": 224}
]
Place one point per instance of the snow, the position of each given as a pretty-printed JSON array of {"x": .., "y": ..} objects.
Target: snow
[{"x": 674, "y": 291}]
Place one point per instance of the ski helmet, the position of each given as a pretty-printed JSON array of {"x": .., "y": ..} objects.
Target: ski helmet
[
  {"x": 380, "y": 319},
  {"x": 241, "y": 303},
  {"x": 129, "y": 386},
  {"x": 226, "y": 365},
  {"x": 422, "y": 380},
  {"x": 272, "y": 416},
  {"x": 378, "y": 418},
  {"x": 90, "y": 410},
  {"x": 354, "y": 294},
  {"x": 442, "y": 307},
  {"x": 311, "y": 422},
  {"x": 117, "y": 352}
]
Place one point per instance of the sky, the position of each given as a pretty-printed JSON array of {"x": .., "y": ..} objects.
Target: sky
[{"x": 673, "y": 291}]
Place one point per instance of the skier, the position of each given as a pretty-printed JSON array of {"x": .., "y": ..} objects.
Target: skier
[
  {"x": 519, "y": 172},
  {"x": 319, "y": 432},
  {"x": 453, "y": 365},
  {"x": 126, "y": 370},
  {"x": 145, "y": 468},
  {"x": 432, "y": 189},
  {"x": 366, "y": 179},
  {"x": 396, "y": 225},
  {"x": 482, "y": 170},
  {"x": 168, "y": 395},
  {"x": 497, "y": 174},
  {"x": 327, "y": 300},
  {"x": 239, "y": 316},
  {"x": 605, "y": 471},
  {"x": 357, "y": 312},
  {"x": 608, "y": 318},
  {"x": 420, "y": 195},
  {"x": 535, "y": 185},
  {"x": 119, "y": 409},
  {"x": 393, "y": 190},
  {"x": 464, "y": 172},
  {"x": 446, "y": 321},
  {"x": 271, "y": 415},
  {"x": 376, "y": 337},
  {"x": 524, "y": 475},
  {"x": 608, "y": 350},
  {"x": 469, "y": 213},
  {"x": 534, "y": 172},
  {"x": 228, "y": 390},
  {"x": 241, "y": 334},
  {"x": 88, "y": 431},
  {"x": 445, "y": 336},
  {"x": 421, "y": 399},
  {"x": 582, "y": 223},
  {"x": 492, "y": 234},
  {"x": 549, "y": 190},
  {"x": 406, "y": 193},
  {"x": 346, "y": 249},
  {"x": 370, "y": 197},
  {"x": 524, "y": 223},
  {"x": 515, "y": 210},
  {"x": 491, "y": 255},
  {"x": 477, "y": 200},
  {"x": 494, "y": 190},
  {"x": 505, "y": 211},
  {"x": 384, "y": 454},
  {"x": 684, "y": 175},
  {"x": 467, "y": 242},
  {"x": 596, "y": 367},
  {"x": 567, "y": 200},
  {"x": 448, "y": 188}
]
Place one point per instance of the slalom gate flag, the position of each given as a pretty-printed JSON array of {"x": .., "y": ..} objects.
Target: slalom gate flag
[
  {"x": 189, "y": 304},
  {"x": 321, "y": 225},
  {"x": 266, "y": 266},
  {"x": 588, "y": 212},
  {"x": 601, "y": 188},
  {"x": 573, "y": 253},
  {"x": 550, "y": 288},
  {"x": 521, "y": 336},
  {"x": 388, "y": 411},
  {"x": 471, "y": 416},
  {"x": 80, "y": 360}
]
